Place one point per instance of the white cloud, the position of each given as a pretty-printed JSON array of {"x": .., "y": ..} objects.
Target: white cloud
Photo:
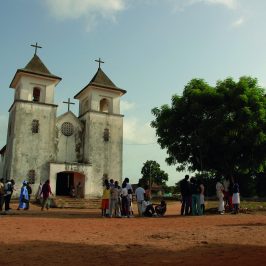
[
  {"x": 232, "y": 4},
  {"x": 137, "y": 133},
  {"x": 89, "y": 10},
  {"x": 239, "y": 22},
  {"x": 182, "y": 4},
  {"x": 125, "y": 106}
]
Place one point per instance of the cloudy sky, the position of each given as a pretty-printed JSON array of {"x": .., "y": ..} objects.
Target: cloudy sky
[{"x": 151, "y": 48}]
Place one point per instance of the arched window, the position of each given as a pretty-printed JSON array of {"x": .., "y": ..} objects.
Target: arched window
[
  {"x": 104, "y": 105},
  {"x": 36, "y": 94}
]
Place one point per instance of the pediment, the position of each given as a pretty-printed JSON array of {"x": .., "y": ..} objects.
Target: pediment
[{"x": 70, "y": 118}]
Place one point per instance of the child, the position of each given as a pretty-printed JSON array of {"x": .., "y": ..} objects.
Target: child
[
  {"x": 236, "y": 197},
  {"x": 105, "y": 198}
]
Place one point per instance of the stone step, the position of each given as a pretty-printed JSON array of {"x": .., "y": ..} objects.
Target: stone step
[{"x": 65, "y": 202}]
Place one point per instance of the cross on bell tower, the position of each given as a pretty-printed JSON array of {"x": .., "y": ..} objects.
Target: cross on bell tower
[
  {"x": 99, "y": 61},
  {"x": 36, "y": 47}
]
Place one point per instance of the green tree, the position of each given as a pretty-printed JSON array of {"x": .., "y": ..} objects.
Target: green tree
[
  {"x": 151, "y": 171},
  {"x": 219, "y": 129}
]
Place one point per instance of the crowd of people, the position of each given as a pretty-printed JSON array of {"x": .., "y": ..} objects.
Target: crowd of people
[
  {"x": 227, "y": 191},
  {"x": 7, "y": 188},
  {"x": 192, "y": 196},
  {"x": 117, "y": 201}
]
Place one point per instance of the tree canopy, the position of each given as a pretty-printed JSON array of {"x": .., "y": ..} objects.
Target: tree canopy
[
  {"x": 151, "y": 171},
  {"x": 219, "y": 129}
]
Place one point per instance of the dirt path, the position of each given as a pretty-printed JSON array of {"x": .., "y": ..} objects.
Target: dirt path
[{"x": 74, "y": 237}]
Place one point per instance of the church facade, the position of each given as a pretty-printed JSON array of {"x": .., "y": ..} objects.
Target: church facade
[{"x": 65, "y": 149}]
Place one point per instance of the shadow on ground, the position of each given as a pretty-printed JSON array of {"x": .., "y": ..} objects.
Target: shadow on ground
[{"x": 56, "y": 253}]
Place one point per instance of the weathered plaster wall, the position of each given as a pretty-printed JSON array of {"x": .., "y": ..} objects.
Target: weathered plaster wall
[
  {"x": 105, "y": 157},
  {"x": 32, "y": 151}
]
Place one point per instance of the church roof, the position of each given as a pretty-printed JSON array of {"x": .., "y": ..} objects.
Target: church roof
[
  {"x": 37, "y": 67},
  {"x": 100, "y": 79}
]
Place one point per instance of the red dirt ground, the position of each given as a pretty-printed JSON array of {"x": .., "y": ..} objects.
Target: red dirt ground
[{"x": 82, "y": 237}]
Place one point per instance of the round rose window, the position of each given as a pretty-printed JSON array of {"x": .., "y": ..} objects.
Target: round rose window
[{"x": 67, "y": 129}]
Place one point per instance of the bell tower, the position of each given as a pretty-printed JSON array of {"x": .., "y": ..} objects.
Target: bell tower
[
  {"x": 99, "y": 110},
  {"x": 31, "y": 127}
]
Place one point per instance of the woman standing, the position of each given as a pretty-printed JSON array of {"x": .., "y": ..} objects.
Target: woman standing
[
  {"x": 220, "y": 196},
  {"x": 24, "y": 197}
]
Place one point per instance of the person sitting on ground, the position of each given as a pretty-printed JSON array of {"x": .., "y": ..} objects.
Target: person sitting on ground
[
  {"x": 147, "y": 208},
  {"x": 160, "y": 209}
]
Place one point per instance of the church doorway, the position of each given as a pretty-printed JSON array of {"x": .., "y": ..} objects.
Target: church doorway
[{"x": 70, "y": 184}]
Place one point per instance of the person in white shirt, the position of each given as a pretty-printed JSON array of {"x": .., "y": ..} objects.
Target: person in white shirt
[
  {"x": 140, "y": 195},
  {"x": 147, "y": 209},
  {"x": 220, "y": 195}
]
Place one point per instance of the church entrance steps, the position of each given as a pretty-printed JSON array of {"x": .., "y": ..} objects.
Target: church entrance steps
[{"x": 75, "y": 203}]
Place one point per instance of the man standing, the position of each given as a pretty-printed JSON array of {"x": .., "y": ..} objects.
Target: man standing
[
  {"x": 195, "y": 191},
  {"x": 185, "y": 194},
  {"x": 140, "y": 195},
  {"x": 46, "y": 192},
  {"x": 9, "y": 187},
  {"x": 114, "y": 200},
  {"x": 29, "y": 194}
]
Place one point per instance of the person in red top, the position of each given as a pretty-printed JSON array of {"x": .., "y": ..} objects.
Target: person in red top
[{"x": 46, "y": 192}]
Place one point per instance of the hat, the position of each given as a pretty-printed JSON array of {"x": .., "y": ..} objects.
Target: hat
[{"x": 25, "y": 182}]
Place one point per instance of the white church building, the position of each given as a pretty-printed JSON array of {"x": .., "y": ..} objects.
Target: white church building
[{"x": 66, "y": 149}]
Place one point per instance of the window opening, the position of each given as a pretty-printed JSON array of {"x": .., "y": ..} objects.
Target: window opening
[
  {"x": 106, "y": 135},
  {"x": 36, "y": 94},
  {"x": 35, "y": 126},
  {"x": 67, "y": 129},
  {"x": 104, "y": 105},
  {"x": 31, "y": 176}
]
